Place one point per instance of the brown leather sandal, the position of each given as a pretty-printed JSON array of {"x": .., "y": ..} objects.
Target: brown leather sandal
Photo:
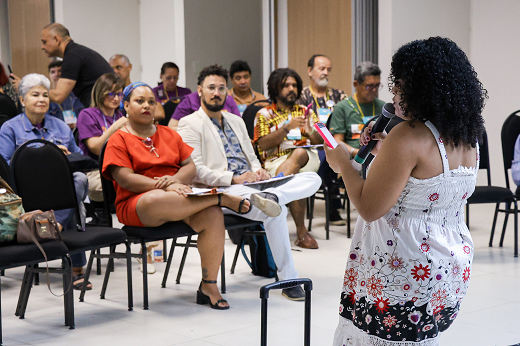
[{"x": 307, "y": 242}]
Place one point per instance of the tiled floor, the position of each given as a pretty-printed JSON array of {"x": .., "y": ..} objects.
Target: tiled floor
[{"x": 490, "y": 313}]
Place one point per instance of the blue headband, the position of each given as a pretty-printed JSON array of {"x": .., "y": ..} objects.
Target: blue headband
[{"x": 128, "y": 90}]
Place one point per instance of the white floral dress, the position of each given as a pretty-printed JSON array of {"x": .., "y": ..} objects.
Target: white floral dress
[{"x": 408, "y": 271}]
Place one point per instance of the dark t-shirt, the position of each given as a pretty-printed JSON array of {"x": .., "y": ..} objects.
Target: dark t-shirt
[{"x": 85, "y": 66}]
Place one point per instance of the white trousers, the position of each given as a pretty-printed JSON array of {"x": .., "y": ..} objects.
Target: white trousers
[{"x": 303, "y": 185}]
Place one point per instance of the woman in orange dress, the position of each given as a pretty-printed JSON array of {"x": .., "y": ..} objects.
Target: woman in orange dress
[{"x": 151, "y": 167}]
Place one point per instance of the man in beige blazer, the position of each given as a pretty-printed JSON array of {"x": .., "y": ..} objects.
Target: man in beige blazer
[{"x": 224, "y": 157}]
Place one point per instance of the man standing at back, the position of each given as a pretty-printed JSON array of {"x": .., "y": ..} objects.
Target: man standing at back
[{"x": 81, "y": 65}]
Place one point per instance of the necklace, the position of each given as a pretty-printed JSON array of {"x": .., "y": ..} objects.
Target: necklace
[
  {"x": 148, "y": 142},
  {"x": 316, "y": 100}
]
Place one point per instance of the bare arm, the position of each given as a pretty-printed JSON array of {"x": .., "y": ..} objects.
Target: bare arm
[
  {"x": 63, "y": 89},
  {"x": 173, "y": 124},
  {"x": 388, "y": 176},
  {"x": 131, "y": 181},
  {"x": 95, "y": 144},
  {"x": 340, "y": 137},
  {"x": 159, "y": 112}
]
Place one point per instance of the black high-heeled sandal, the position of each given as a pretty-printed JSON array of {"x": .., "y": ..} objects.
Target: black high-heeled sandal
[
  {"x": 239, "y": 206},
  {"x": 204, "y": 299}
]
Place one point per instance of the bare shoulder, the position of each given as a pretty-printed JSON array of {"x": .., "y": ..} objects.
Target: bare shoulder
[{"x": 413, "y": 134}]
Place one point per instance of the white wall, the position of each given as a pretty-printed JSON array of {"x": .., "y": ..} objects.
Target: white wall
[
  {"x": 108, "y": 27},
  {"x": 5, "y": 50},
  {"x": 495, "y": 54},
  {"x": 402, "y": 21},
  {"x": 162, "y": 38}
]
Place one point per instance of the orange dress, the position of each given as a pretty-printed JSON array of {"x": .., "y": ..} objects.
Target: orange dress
[{"x": 127, "y": 150}]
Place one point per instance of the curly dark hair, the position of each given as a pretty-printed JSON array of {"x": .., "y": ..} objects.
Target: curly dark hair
[
  {"x": 277, "y": 80},
  {"x": 213, "y": 70},
  {"x": 438, "y": 83}
]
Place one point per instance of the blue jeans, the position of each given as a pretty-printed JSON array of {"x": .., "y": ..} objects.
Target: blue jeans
[
  {"x": 66, "y": 217},
  {"x": 325, "y": 173}
]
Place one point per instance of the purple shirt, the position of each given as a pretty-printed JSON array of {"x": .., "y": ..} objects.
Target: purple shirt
[
  {"x": 93, "y": 123},
  {"x": 191, "y": 104},
  {"x": 162, "y": 97}
]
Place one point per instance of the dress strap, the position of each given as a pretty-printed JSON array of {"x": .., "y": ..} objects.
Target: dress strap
[{"x": 442, "y": 150}]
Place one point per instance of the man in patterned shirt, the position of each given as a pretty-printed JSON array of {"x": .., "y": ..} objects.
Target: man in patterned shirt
[
  {"x": 224, "y": 157},
  {"x": 323, "y": 99},
  {"x": 283, "y": 132}
]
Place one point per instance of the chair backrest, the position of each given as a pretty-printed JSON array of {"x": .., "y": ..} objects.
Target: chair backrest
[
  {"x": 169, "y": 108},
  {"x": 484, "y": 157},
  {"x": 109, "y": 192},
  {"x": 41, "y": 176},
  {"x": 4, "y": 170},
  {"x": 250, "y": 113},
  {"x": 509, "y": 134}
]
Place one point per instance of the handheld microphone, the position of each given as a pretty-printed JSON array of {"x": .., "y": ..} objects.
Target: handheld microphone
[{"x": 380, "y": 125}]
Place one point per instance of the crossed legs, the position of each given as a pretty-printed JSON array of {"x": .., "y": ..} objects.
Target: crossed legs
[{"x": 201, "y": 213}]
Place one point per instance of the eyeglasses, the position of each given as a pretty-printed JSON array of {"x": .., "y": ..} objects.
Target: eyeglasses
[
  {"x": 221, "y": 89},
  {"x": 113, "y": 95},
  {"x": 377, "y": 86},
  {"x": 149, "y": 144}
]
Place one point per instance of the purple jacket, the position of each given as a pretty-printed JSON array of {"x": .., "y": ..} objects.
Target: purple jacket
[{"x": 191, "y": 104}]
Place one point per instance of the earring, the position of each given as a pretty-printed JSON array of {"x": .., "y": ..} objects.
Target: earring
[{"x": 200, "y": 95}]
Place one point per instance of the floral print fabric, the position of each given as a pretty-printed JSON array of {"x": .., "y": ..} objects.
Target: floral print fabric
[{"x": 408, "y": 271}]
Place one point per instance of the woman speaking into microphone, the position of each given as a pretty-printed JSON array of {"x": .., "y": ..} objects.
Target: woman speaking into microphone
[{"x": 409, "y": 265}]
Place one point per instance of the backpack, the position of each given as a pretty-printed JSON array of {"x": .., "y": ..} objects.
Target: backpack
[{"x": 262, "y": 261}]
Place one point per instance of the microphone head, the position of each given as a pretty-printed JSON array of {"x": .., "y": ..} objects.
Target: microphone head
[{"x": 389, "y": 110}]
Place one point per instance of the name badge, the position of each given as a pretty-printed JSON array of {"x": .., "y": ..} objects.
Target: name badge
[
  {"x": 69, "y": 117},
  {"x": 295, "y": 134},
  {"x": 160, "y": 93},
  {"x": 356, "y": 128},
  {"x": 242, "y": 108},
  {"x": 323, "y": 114}
]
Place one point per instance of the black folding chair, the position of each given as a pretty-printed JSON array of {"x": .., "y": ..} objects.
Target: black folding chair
[
  {"x": 492, "y": 194},
  {"x": 41, "y": 176}
]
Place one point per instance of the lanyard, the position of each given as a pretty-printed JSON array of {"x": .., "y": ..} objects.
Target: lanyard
[
  {"x": 168, "y": 97},
  {"x": 316, "y": 100},
  {"x": 71, "y": 104},
  {"x": 360, "y": 110}
]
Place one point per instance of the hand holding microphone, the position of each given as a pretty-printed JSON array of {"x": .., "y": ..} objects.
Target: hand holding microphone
[{"x": 378, "y": 127}]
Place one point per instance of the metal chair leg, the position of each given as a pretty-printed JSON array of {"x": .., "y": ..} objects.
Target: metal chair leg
[
  {"x": 348, "y": 218},
  {"x": 223, "y": 274},
  {"x": 165, "y": 250},
  {"x": 237, "y": 252},
  {"x": 494, "y": 224},
  {"x": 129, "y": 276},
  {"x": 168, "y": 264},
  {"x": 25, "y": 291},
  {"x": 144, "y": 259},
  {"x": 516, "y": 229},
  {"x": 68, "y": 292},
  {"x": 98, "y": 263},
  {"x": 87, "y": 275},
  {"x": 183, "y": 260},
  {"x": 504, "y": 226}
]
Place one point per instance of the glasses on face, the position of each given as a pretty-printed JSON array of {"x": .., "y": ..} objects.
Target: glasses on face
[
  {"x": 149, "y": 144},
  {"x": 114, "y": 94},
  {"x": 377, "y": 86},
  {"x": 221, "y": 89}
]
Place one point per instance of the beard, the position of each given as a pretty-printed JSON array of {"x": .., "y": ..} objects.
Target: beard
[
  {"x": 214, "y": 107},
  {"x": 322, "y": 82},
  {"x": 288, "y": 102}
]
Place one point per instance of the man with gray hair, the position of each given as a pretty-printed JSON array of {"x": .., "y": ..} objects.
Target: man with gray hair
[
  {"x": 81, "y": 66},
  {"x": 122, "y": 67},
  {"x": 350, "y": 115}
]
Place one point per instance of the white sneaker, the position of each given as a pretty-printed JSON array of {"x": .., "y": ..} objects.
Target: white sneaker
[{"x": 150, "y": 268}]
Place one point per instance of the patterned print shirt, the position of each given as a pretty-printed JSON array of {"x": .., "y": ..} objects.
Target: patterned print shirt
[
  {"x": 269, "y": 119},
  {"x": 237, "y": 162}
]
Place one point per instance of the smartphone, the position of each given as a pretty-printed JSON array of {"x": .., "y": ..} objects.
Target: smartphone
[
  {"x": 10, "y": 71},
  {"x": 307, "y": 110},
  {"x": 326, "y": 135}
]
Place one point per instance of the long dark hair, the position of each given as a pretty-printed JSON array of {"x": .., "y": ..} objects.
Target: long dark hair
[{"x": 277, "y": 79}]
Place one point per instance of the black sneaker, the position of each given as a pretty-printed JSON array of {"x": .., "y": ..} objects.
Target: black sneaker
[
  {"x": 336, "y": 219},
  {"x": 294, "y": 293},
  {"x": 267, "y": 202}
]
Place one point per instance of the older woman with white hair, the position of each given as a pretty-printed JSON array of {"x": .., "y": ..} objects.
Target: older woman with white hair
[{"x": 33, "y": 124}]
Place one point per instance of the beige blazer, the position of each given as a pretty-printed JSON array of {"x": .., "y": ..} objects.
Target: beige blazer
[{"x": 209, "y": 155}]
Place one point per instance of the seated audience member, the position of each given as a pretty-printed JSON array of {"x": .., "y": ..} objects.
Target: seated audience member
[
  {"x": 515, "y": 165},
  {"x": 33, "y": 124},
  {"x": 191, "y": 104},
  {"x": 151, "y": 167},
  {"x": 97, "y": 123},
  {"x": 69, "y": 109},
  {"x": 240, "y": 74},
  {"x": 280, "y": 129},
  {"x": 9, "y": 101},
  {"x": 350, "y": 115},
  {"x": 168, "y": 89},
  {"x": 224, "y": 157},
  {"x": 122, "y": 67},
  {"x": 81, "y": 66},
  {"x": 323, "y": 98}
]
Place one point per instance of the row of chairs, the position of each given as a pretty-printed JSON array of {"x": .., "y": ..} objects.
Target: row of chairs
[
  {"x": 51, "y": 186},
  {"x": 497, "y": 194}
]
